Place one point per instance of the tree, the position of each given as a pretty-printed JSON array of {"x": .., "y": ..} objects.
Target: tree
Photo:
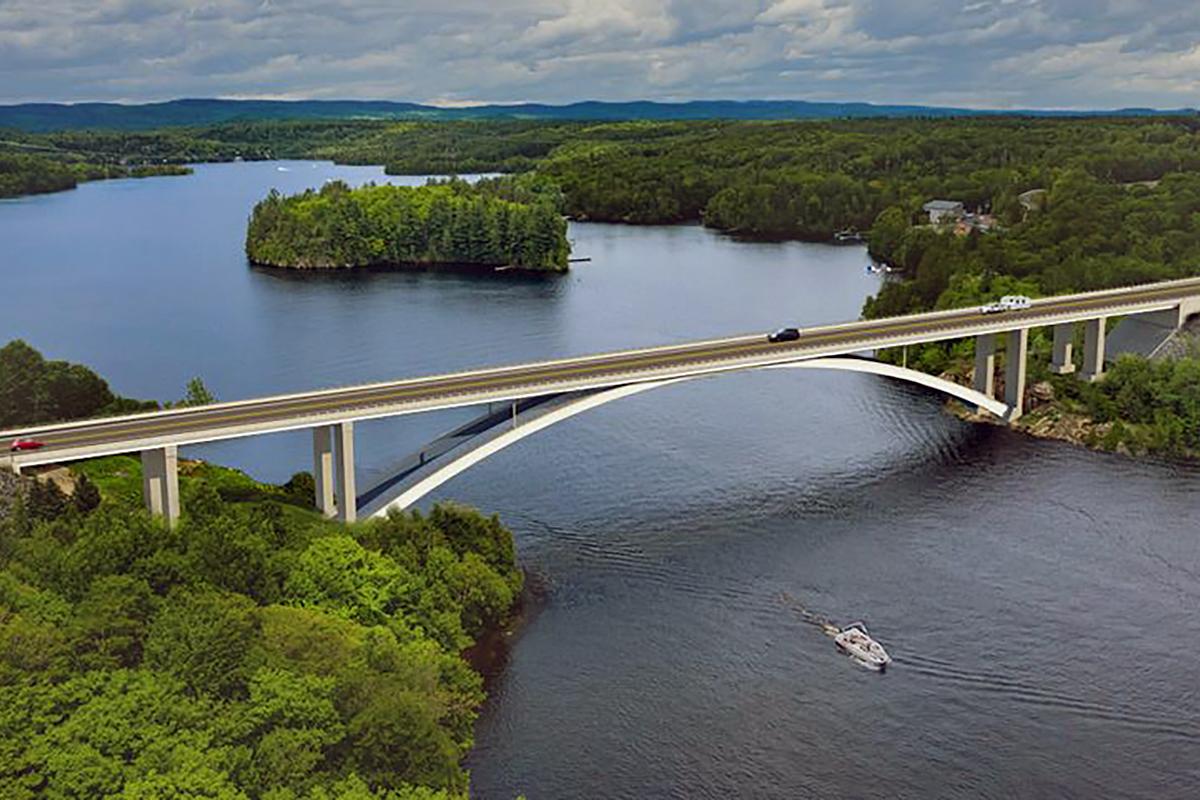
[
  {"x": 197, "y": 394},
  {"x": 887, "y": 231},
  {"x": 23, "y": 398},
  {"x": 204, "y": 638},
  {"x": 87, "y": 497},
  {"x": 110, "y": 623},
  {"x": 47, "y": 501}
]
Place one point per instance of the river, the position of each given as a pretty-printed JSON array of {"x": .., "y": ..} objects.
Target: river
[{"x": 1042, "y": 602}]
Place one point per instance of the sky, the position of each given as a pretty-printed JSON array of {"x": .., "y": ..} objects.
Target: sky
[{"x": 976, "y": 53}]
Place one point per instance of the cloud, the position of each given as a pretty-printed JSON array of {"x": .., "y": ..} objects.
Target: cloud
[{"x": 991, "y": 53}]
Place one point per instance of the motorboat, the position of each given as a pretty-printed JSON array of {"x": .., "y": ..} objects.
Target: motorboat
[{"x": 854, "y": 641}]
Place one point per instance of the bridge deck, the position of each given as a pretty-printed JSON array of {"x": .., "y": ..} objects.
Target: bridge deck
[{"x": 91, "y": 438}]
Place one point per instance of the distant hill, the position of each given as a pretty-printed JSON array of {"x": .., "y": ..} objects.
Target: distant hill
[{"x": 60, "y": 116}]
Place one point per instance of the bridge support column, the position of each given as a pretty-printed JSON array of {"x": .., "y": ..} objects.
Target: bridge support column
[
  {"x": 1093, "y": 350},
  {"x": 160, "y": 482},
  {"x": 985, "y": 364},
  {"x": 343, "y": 436},
  {"x": 1064, "y": 342},
  {"x": 1014, "y": 372},
  {"x": 323, "y": 469}
]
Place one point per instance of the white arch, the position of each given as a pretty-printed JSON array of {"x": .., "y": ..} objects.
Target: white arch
[
  {"x": 567, "y": 406},
  {"x": 870, "y": 366}
]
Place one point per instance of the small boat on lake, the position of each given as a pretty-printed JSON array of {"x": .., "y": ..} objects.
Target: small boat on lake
[
  {"x": 854, "y": 641},
  {"x": 848, "y": 236}
]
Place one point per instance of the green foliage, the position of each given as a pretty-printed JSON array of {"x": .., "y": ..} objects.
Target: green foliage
[
  {"x": 26, "y": 174},
  {"x": 197, "y": 394},
  {"x": 54, "y": 170},
  {"x": 87, "y": 495},
  {"x": 46, "y": 501},
  {"x": 34, "y": 390},
  {"x": 1089, "y": 235},
  {"x": 301, "y": 489},
  {"x": 1154, "y": 405},
  {"x": 249, "y": 653},
  {"x": 449, "y": 222}
]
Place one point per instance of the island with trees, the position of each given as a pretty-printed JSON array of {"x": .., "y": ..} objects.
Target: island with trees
[
  {"x": 257, "y": 650},
  {"x": 491, "y": 224}
]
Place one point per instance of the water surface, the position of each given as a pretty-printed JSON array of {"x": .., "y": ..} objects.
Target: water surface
[{"x": 1041, "y": 601}]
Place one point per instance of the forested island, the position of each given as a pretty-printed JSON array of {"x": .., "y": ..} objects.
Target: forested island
[
  {"x": 499, "y": 223},
  {"x": 258, "y": 650}
]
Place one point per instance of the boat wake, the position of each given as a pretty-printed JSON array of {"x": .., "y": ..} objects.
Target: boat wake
[
  {"x": 628, "y": 561},
  {"x": 1006, "y": 687}
]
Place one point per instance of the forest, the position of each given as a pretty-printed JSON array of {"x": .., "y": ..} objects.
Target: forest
[
  {"x": 1087, "y": 234},
  {"x": 1148, "y": 406},
  {"x": 24, "y": 174},
  {"x": 34, "y": 390},
  {"x": 257, "y": 651},
  {"x": 502, "y": 223},
  {"x": 793, "y": 179}
]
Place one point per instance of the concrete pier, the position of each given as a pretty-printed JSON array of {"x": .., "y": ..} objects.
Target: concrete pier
[
  {"x": 1015, "y": 358},
  {"x": 323, "y": 469},
  {"x": 985, "y": 364},
  {"x": 1093, "y": 350},
  {"x": 1064, "y": 343},
  {"x": 160, "y": 482},
  {"x": 343, "y": 438}
]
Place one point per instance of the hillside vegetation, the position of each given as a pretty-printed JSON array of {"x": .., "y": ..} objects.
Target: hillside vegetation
[
  {"x": 23, "y": 173},
  {"x": 257, "y": 651}
]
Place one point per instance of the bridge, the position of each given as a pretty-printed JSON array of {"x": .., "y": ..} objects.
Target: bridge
[{"x": 525, "y": 398}]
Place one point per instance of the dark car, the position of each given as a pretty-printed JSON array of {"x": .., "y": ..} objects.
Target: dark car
[
  {"x": 784, "y": 335},
  {"x": 25, "y": 444}
]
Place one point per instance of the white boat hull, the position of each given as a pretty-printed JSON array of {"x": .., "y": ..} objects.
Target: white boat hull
[{"x": 855, "y": 642}]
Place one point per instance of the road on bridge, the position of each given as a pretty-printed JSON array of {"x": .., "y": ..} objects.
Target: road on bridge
[{"x": 225, "y": 420}]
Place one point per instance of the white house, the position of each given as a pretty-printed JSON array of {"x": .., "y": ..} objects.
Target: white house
[{"x": 940, "y": 211}]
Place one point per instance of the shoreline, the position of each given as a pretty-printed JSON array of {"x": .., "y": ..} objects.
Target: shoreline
[
  {"x": 441, "y": 266},
  {"x": 489, "y": 655},
  {"x": 1050, "y": 421}
]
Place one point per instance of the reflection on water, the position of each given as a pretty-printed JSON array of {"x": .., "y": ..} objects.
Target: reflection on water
[{"x": 1040, "y": 601}]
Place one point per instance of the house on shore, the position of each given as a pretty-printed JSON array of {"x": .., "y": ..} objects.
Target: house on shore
[{"x": 944, "y": 211}]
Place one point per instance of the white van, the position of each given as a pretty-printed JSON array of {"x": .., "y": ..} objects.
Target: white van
[
  {"x": 1010, "y": 302},
  {"x": 1015, "y": 302}
]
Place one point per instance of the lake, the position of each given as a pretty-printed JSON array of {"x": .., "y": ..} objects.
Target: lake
[{"x": 1042, "y": 602}]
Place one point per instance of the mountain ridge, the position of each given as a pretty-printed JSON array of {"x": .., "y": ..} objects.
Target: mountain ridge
[{"x": 42, "y": 117}]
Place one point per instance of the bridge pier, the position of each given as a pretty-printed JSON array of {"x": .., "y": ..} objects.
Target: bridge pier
[
  {"x": 985, "y": 364},
  {"x": 333, "y": 470},
  {"x": 343, "y": 436},
  {"x": 160, "y": 482},
  {"x": 1064, "y": 342},
  {"x": 1015, "y": 360},
  {"x": 323, "y": 469},
  {"x": 1093, "y": 350}
]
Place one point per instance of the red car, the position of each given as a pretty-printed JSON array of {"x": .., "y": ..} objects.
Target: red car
[{"x": 25, "y": 444}]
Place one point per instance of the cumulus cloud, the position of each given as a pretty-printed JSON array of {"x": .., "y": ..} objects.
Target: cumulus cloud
[{"x": 988, "y": 53}]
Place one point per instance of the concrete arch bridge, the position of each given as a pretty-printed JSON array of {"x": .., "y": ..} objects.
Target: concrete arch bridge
[{"x": 531, "y": 397}]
